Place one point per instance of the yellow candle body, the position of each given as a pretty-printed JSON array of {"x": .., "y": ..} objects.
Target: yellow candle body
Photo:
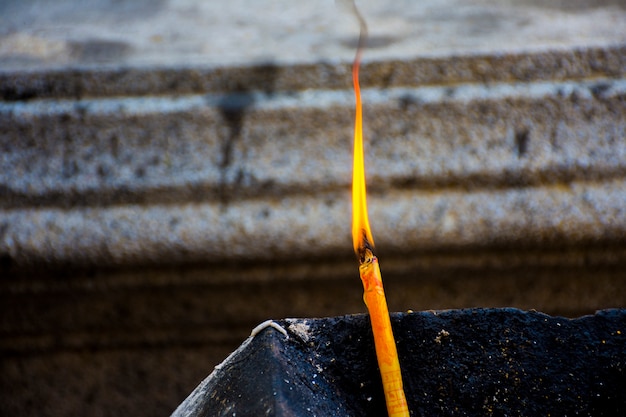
[{"x": 385, "y": 344}]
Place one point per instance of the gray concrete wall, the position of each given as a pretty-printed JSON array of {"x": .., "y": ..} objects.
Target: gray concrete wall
[
  {"x": 171, "y": 174},
  {"x": 178, "y": 178}
]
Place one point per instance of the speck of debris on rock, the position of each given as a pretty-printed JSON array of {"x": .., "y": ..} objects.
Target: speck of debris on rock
[{"x": 442, "y": 333}]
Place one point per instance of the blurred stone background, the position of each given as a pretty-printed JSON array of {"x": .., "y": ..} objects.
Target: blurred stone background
[{"x": 174, "y": 172}]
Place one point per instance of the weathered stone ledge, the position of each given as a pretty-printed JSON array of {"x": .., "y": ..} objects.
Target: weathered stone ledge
[
  {"x": 80, "y": 83},
  {"x": 579, "y": 213},
  {"x": 131, "y": 181}
]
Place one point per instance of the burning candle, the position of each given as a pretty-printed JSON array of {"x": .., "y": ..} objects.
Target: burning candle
[{"x": 363, "y": 242}]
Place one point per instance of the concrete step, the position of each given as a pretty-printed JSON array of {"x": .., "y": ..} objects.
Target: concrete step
[{"x": 182, "y": 178}]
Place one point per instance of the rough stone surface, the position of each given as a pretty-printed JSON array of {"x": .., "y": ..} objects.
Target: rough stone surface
[
  {"x": 38, "y": 34},
  {"x": 454, "y": 363},
  {"x": 495, "y": 124},
  {"x": 136, "y": 181}
]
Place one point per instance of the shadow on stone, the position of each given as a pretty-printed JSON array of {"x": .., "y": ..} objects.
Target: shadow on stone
[{"x": 498, "y": 362}]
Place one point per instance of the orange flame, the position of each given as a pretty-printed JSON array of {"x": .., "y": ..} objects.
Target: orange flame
[{"x": 361, "y": 234}]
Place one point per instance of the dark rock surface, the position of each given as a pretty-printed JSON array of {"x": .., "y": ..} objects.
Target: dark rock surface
[{"x": 490, "y": 362}]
